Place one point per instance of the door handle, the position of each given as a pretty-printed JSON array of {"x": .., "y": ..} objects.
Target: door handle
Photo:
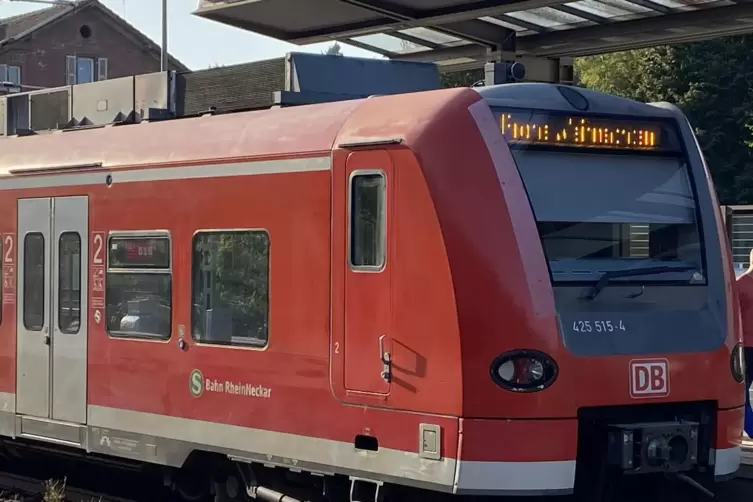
[
  {"x": 46, "y": 339},
  {"x": 386, "y": 359}
]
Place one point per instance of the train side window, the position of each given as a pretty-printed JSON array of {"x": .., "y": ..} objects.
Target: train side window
[
  {"x": 138, "y": 288},
  {"x": 368, "y": 221},
  {"x": 230, "y": 288},
  {"x": 69, "y": 283},
  {"x": 34, "y": 283}
]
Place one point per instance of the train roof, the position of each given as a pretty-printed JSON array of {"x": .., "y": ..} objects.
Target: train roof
[
  {"x": 298, "y": 130},
  {"x": 566, "y": 98}
]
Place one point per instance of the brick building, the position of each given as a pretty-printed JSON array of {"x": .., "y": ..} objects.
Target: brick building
[{"x": 73, "y": 44}]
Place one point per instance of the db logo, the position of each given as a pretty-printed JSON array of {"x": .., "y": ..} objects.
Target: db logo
[{"x": 649, "y": 378}]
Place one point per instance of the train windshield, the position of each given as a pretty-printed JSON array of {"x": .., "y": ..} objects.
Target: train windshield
[{"x": 608, "y": 195}]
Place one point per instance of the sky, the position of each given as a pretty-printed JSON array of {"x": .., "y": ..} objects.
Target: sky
[{"x": 220, "y": 44}]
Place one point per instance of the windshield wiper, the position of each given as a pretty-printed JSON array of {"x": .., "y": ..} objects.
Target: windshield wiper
[{"x": 608, "y": 276}]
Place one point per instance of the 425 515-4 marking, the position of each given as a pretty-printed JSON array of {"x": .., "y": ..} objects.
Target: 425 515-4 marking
[{"x": 598, "y": 326}]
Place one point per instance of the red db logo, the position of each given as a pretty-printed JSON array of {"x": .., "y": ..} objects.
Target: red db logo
[{"x": 649, "y": 378}]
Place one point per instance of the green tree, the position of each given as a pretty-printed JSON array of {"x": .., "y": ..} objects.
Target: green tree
[
  {"x": 710, "y": 82},
  {"x": 461, "y": 78},
  {"x": 334, "y": 50},
  {"x": 233, "y": 281}
]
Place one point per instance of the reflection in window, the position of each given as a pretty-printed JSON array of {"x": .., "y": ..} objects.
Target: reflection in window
[
  {"x": 80, "y": 70},
  {"x": 231, "y": 288},
  {"x": 635, "y": 211},
  {"x": 139, "y": 287},
  {"x": 10, "y": 73},
  {"x": 588, "y": 240},
  {"x": 367, "y": 221},
  {"x": 69, "y": 283},
  {"x": 84, "y": 70},
  {"x": 34, "y": 289}
]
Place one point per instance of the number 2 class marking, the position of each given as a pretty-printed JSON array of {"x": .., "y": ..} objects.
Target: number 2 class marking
[
  {"x": 8, "y": 256},
  {"x": 99, "y": 243}
]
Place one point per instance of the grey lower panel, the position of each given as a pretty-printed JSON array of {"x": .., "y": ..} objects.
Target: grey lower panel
[
  {"x": 169, "y": 441},
  {"x": 171, "y": 452},
  {"x": 7, "y": 424},
  {"x": 51, "y": 431},
  {"x": 165, "y": 451}
]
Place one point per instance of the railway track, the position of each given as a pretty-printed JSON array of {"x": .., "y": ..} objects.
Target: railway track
[
  {"x": 25, "y": 488},
  {"x": 17, "y": 487}
]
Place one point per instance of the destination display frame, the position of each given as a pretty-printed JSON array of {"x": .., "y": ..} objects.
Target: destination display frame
[{"x": 582, "y": 131}]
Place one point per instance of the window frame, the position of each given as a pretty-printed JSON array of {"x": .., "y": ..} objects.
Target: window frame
[
  {"x": 45, "y": 290},
  {"x": 71, "y": 73},
  {"x": 102, "y": 75},
  {"x": 125, "y": 335},
  {"x": 81, "y": 265},
  {"x": 71, "y": 68},
  {"x": 231, "y": 345},
  {"x": 5, "y": 71},
  {"x": 383, "y": 213}
]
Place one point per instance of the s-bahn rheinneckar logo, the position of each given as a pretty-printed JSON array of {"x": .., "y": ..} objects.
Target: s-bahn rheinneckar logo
[
  {"x": 196, "y": 383},
  {"x": 649, "y": 378}
]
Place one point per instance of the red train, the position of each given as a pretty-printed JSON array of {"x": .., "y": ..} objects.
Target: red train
[{"x": 383, "y": 294}]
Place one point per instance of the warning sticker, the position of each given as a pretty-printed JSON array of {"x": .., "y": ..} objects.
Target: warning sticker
[{"x": 97, "y": 253}]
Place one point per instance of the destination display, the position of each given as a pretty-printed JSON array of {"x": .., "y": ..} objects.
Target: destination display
[
  {"x": 563, "y": 130},
  {"x": 139, "y": 252}
]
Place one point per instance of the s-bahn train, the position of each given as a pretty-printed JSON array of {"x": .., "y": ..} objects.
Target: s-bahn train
[{"x": 522, "y": 289}]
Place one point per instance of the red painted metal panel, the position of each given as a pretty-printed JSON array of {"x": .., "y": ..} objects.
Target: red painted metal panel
[{"x": 368, "y": 298}]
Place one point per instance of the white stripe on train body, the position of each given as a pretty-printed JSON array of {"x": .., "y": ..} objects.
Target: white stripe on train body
[{"x": 140, "y": 174}]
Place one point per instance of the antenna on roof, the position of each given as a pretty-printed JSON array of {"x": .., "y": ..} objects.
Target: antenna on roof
[{"x": 163, "y": 58}]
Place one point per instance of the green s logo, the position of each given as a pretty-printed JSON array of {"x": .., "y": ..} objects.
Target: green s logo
[{"x": 196, "y": 383}]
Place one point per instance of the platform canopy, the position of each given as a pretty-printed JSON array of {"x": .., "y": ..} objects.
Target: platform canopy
[{"x": 459, "y": 32}]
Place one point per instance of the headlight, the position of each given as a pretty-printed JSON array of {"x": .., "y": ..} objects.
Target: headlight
[
  {"x": 737, "y": 363},
  {"x": 523, "y": 371}
]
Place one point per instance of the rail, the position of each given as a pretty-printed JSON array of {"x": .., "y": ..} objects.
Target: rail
[{"x": 24, "y": 486}]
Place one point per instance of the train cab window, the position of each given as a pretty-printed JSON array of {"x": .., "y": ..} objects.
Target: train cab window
[
  {"x": 34, "y": 283},
  {"x": 69, "y": 283},
  {"x": 367, "y": 221},
  {"x": 230, "y": 288},
  {"x": 634, "y": 211},
  {"x": 138, "y": 287}
]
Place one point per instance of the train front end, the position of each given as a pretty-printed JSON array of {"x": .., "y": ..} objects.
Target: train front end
[{"x": 641, "y": 373}]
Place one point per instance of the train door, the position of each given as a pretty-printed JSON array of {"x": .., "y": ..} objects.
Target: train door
[
  {"x": 51, "y": 330},
  {"x": 367, "y": 294}
]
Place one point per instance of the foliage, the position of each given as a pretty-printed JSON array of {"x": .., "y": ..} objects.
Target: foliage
[
  {"x": 53, "y": 491},
  {"x": 239, "y": 283},
  {"x": 710, "y": 82},
  {"x": 334, "y": 50},
  {"x": 461, "y": 78}
]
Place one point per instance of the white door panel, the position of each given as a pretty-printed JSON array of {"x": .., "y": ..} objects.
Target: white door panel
[
  {"x": 33, "y": 315},
  {"x": 52, "y": 299}
]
